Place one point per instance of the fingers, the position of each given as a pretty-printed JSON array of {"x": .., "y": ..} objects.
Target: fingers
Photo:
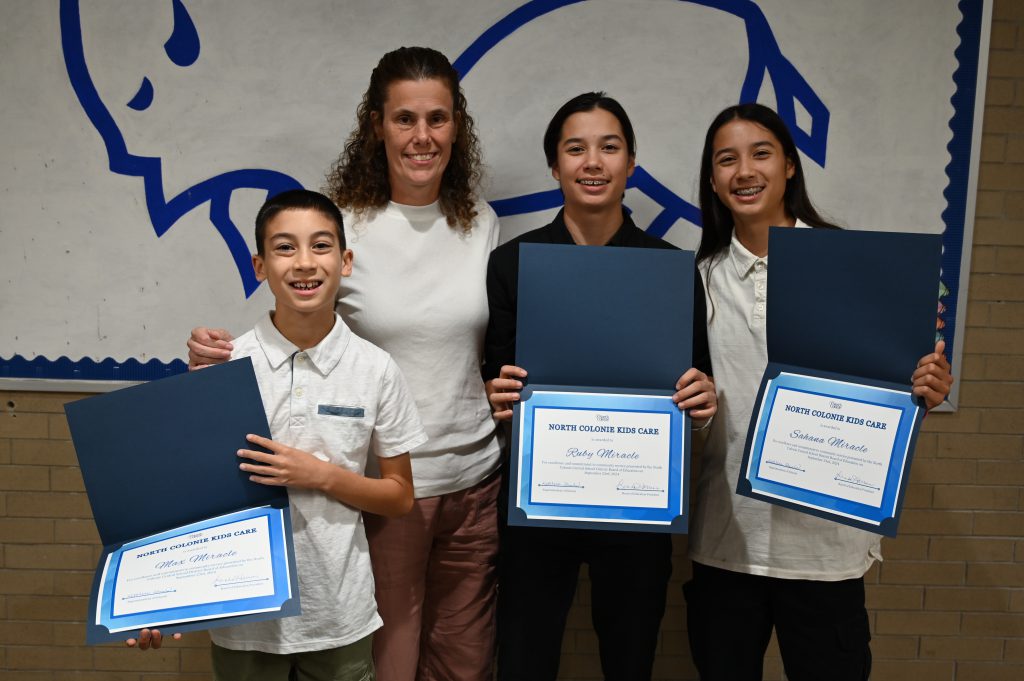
[
  {"x": 933, "y": 390},
  {"x": 267, "y": 470},
  {"x": 937, "y": 358},
  {"x": 693, "y": 388},
  {"x": 701, "y": 406},
  {"x": 259, "y": 457},
  {"x": 146, "y": 640},
  {"x": 503, "y": 392},
  {"x": 200, "y": 356},
  {"x": 689, "y": 376},
  {"x": 932, "y": 362},
  {"x": 932, "y": 379},
  {"x": 512, "y": 371},
  {"x": 208, "y": 346},
  {"x": 221, "y": 335},
  {"x": 501, "y": 404},
  {"x": 202, "y": 335},
  {"x": 695, "y": 394},
  {"x": 264, "y": 442},
  {"x": 149, "y": 639}
]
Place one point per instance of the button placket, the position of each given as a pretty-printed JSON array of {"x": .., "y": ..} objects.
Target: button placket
[
  {"x": 760, "y": 292},
  {"x": 299, "y": 394}
]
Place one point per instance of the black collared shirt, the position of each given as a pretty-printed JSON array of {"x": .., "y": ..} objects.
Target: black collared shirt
[{"x": 503, "y": 287}]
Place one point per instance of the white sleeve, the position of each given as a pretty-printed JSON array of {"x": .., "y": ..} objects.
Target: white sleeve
[
  {"x": 489, "y": 220},
  {"x": 398, "y": 428}
]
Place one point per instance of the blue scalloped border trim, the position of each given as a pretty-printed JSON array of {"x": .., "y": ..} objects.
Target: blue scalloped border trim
[
  {"x": 87, "y": 369},
  {"x": 959, "y": 168}
]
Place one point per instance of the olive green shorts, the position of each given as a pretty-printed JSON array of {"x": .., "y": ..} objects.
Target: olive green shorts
[{"x": 353, "y": 662}]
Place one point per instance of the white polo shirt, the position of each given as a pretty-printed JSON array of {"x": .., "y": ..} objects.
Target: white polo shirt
[
  {"x": 736, "y": 532},
  {"x": 340, "y": 401}
]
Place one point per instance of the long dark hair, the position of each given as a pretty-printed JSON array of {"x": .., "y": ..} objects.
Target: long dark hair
[
  {"x": 717, "y": 219},
  {"x": 358, "y": 179}
]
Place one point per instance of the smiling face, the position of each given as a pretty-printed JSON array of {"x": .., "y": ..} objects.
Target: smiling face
[
  {"x": 303, "y": 263},
  {"x": 593, "y": 161},
  {"x": 749, "y": 173},
  {"x": 418, "y": 127}
]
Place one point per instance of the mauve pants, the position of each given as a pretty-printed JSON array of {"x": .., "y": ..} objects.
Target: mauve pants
[{"x": 435, "y": 573}]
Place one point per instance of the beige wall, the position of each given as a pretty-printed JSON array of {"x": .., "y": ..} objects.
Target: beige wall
[{"x": 948, "y": 602}]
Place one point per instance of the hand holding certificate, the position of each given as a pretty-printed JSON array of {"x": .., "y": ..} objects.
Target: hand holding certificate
[
  {"x": 836, "y": 419},
  {"x": 189, "y": 542},
  {"x": 598, "y": 441}
]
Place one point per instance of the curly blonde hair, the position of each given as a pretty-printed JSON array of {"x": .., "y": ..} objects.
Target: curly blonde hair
[{"x": 358, "y": 178}]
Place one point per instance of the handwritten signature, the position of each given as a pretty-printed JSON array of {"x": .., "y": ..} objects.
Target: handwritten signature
[
  {"x": 774, "y": 462},
  {"x": 854, "y": 480},
  {"x": 637, "y": 487}
]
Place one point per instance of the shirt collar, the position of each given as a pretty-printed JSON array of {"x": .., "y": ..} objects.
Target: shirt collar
[
  {"x": 743, "y": 259},
  {"x": 324, "y": 356},
  {"x": 560, "y": 233}
]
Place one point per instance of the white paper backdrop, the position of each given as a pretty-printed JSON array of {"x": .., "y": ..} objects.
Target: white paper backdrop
[{"x": 112, "y": 99}]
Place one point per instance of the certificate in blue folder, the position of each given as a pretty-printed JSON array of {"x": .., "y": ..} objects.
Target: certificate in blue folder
[
  {"x": 835, "y": 423},
  {"x": 189, "y": 542},
  {"x": 597, "y": 442}
]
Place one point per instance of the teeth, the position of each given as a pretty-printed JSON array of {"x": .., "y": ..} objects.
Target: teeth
[
  {"x": 306, "y": 285},
  {"x": 421, "y": 157},
  {"x": 593, "y": 183},
  {"x": 749, "y": 191}
]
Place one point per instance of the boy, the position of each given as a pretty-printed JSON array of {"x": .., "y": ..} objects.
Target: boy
[{"x": 330, "y": 397}]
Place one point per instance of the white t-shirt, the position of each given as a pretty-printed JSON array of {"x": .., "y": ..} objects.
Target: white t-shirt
[
  {"x": 418, "y": 290},
  {"x": 340, "y": 401},
  {"x": 736, "y": 532}
]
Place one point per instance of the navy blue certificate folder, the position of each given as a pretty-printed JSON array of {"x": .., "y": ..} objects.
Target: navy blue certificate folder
[
  {"x": 161, "y": 455},
  {"x": 606, "y": 332},
  {"x": 834, "y": 425},
  {"x": 604, "y": 316},
  {"x": 852, "y": 302}
]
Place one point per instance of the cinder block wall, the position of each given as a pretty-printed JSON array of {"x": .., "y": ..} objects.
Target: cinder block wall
[{"x": 948, "y": 602}]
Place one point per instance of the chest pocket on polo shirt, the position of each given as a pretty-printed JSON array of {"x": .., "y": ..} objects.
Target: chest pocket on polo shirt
[{"x": 346, "y": 430}]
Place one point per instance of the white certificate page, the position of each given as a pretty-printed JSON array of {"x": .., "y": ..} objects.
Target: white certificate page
[
  {"x": 833, "y": 446},
  {"x": 600, "y": 458},
  {"x": 222, "y": 563}
]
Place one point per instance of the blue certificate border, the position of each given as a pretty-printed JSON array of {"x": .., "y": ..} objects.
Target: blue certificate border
[
  {"x": 673, "y": 517},
  {"x": 284, "y": 600},
  {"x": 881, "y": 520}
]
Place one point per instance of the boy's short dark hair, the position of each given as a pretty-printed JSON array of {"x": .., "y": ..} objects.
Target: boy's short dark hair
[{"x": 297, "y": 199}]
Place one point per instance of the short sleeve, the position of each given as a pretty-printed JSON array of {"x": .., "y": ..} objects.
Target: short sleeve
[
  {"x": 398, "y": 428},
  {"x": 489, "y": 220}
]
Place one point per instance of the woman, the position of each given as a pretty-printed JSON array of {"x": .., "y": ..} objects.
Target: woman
[
  {"x": 407, "y": 182},
  {"x": 591, "y": 150},
  {"x": 760, "y": 566}
]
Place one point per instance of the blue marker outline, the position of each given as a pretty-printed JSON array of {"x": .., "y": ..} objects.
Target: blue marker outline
[
  {"x": 164, "y": 213},
  {"x": 766, "y": 58}
]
